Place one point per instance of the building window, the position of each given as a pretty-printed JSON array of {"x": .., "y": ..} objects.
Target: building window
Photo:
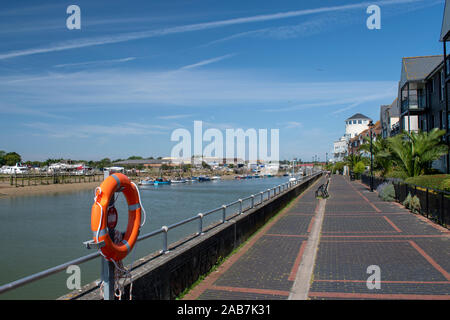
[{"x": 359, "y": 121}]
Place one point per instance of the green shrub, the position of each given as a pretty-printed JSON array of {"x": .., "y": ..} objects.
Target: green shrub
[
  {"x": 412, "y": 203},
  {"x": 428, "y": 181},
  {"x": 359, "y": 168},
  {"x": 445, "y": 185},
  {"x": 396, "y": 174},
  {"x": 386, "y": 191}
]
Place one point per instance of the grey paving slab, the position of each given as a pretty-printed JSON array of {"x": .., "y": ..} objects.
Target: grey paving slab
[{"x": 267, "y": 265}]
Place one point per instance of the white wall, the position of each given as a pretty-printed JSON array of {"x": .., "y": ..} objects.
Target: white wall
[{"x": 355, "y": 129}]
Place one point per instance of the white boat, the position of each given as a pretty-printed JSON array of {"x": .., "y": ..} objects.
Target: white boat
[
  {"x": 15, "y": 169},
  {"x": 178, "y": 181},
  {"x": 216, "y": 178},
  {"x": 147, "y": 182}
]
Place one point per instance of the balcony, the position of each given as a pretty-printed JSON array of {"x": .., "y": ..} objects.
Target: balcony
[{"x": 414, "y": 104}]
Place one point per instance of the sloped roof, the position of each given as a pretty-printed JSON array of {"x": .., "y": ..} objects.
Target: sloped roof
[
  {"x": 358, "y": 116},
  {"x": 418, "y": 68},
  {"x": 445, "y": 21},
  {"x": 394, "y": 110}
]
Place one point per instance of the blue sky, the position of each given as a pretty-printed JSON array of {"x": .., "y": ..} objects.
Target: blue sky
[{"x": 137, "y": 70}]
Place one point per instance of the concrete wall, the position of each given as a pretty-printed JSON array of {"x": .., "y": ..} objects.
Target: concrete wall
[{"x": 165, "y": 276}]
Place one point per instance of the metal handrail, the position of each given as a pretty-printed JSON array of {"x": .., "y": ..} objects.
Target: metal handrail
[{"x": 163, "y": 230}]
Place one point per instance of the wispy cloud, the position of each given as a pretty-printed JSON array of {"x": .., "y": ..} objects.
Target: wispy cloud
[
  {"x": 175, "y": 116},
  {"x": 192, "y": 87},
  {"x": 206, "y": 62},
  {"x": 325, "y": 22},
  {"x": 94, "y": 62},
  {"x": 307, "y": 28},
  {"x": 82, "y": 43},
  {"x": 24, "y": 111},
  {"x": 88, "y": 131}
]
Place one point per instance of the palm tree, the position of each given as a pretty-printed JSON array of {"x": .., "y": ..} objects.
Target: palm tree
[
  {"x": 381, "y": 153},
  {"x": 352, "y": 159},
  {"x": 414, "y": 152}
]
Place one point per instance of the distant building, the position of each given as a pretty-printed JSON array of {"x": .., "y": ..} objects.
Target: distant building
[
  {"x": 152, "y": 163},
  {"x": 353, "y": 127},
  {"x": 356, "y": 124},
  {"x": 357, "y": 141},
  {"x": 340, "y": 149},
  {"x": 389, "y": 119}
]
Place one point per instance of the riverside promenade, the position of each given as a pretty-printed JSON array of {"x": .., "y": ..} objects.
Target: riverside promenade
[{"x": 329, "y": 249}]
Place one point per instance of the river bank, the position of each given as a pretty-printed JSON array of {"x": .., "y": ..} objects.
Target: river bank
[{"x": 7, "y": 191}]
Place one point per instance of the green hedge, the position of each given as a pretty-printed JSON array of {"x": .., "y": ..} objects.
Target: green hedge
[{"x": 435, "y": 181}]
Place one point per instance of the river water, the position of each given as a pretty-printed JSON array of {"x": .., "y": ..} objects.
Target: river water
[{"x": 39, "y": 232}]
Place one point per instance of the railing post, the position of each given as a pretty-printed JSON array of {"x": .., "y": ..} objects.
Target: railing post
[
  {"x": 240, "y": 206},
  {"x": 224, "y": 212},
  {"x": 165, "y": 231},
  {"x": 200, "y": 224},
  {"x": 253, "y": 201},
  {"x": 262, "y": 196},
  {"x": 107, "y": 277}
]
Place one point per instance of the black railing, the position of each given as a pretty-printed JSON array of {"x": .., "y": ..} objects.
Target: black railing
[{"x": 434, "y": 203}]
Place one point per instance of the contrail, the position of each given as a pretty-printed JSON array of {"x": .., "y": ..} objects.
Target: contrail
[{"x": 67, "y": 45}]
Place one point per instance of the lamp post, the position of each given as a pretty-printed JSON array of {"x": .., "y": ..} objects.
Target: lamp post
[{"x": 371, "y": 156}]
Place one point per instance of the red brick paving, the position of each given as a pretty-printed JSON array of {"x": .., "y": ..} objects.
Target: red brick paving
[{"x": 412, "y": 252}]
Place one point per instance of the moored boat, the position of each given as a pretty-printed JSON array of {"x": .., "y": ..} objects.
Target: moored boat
[
  {"x": 161, "y": 181},
  {"x": 178, "y": 181},
  {"x": 146, "y": 182}
]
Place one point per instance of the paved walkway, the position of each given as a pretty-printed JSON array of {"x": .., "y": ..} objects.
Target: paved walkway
[{"x": 357, "y": 230}]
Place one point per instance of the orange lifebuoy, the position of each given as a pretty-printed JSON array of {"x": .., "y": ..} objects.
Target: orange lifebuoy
[{"x": 116, "y": 182}]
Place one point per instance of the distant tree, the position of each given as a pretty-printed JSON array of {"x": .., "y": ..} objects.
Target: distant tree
[
  {"x": 338, "y": 166},
  {"x": 104, "y": 163},
  {"x": 135, "y": 158},
  {"x": 382, "y": 154},
  {"x": 2, "y": 157},
  {"x": 12, "y": 158}
]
